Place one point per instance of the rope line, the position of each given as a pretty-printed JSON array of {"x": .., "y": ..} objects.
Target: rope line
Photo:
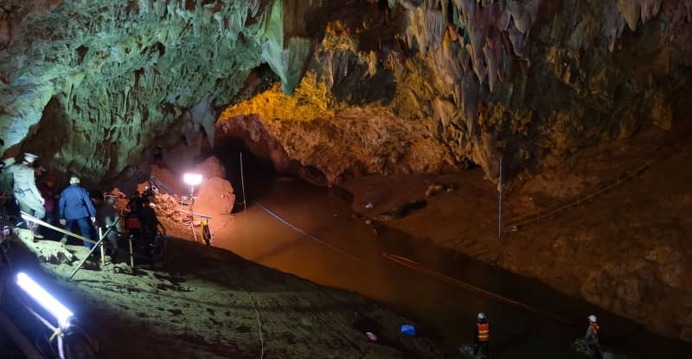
[
  {"x": 409, "y": 263},
  {"x": 557, "y": 208},
  {"x": 259, "y": 322},
  {"x": 420, "y": 268},
  {"x": 680, "y": 140},
  {"x": 314, "y": 238}
]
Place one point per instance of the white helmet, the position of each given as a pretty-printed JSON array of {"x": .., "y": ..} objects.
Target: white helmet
[
  {"x": 592, "y": 318},
  {"x": 481, "y": 316},
  {"x": 30, "y": 157}
]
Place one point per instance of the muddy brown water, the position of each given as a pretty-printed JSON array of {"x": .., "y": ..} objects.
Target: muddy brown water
[{"x": 310, "y": 232}]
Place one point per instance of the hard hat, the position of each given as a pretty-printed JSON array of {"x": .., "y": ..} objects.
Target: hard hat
[
  {"x": 481, "y": 316},
  {"x": 30, "y": 157},
  {"x": 592, "y": 318}
]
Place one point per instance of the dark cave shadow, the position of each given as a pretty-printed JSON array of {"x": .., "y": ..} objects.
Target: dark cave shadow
[
  {"x": 379, "y": 87},
  {"x": 50, "y": 134},
  {"x": 250, "y": 176}
]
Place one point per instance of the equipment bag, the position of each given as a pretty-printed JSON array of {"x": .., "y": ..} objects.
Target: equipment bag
[{"x": 132, "y": 221}]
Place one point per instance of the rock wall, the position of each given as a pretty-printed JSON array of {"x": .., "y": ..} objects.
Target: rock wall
[
  {"x": 486, "y": 79},
  {"x": 479, "y": 79},
  {"x": 97, "y": 87}
]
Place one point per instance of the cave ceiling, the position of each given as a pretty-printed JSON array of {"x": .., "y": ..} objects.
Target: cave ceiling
[{"x": 344, "y": 88}]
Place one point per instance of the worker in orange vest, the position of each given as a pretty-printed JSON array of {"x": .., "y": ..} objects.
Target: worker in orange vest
[{"x": 481, "y": 336}]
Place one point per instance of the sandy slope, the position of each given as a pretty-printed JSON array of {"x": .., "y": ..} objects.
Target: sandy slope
[{"x": 204, "y": 302}]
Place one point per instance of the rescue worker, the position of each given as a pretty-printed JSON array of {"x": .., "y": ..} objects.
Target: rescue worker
[
  {"x": 7, "y": 201},
  {"x": 47, "y": 188},
  {"x": 106, "y": 217},
  {"x": 591, "y": 337},
  {"x": 5, "y": 161},
  {"x": 150, "y": 223},
  {"x": 481, "y": 336},
  {"x": 75, "y": 206},
  {"x": 25, "y": 191}
]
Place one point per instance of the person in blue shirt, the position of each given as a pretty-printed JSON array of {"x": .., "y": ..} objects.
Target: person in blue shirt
[{"x": 75, "y": 206}]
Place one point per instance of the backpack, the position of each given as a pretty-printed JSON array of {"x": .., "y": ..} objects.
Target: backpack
[{"x": 132, "y": 221}]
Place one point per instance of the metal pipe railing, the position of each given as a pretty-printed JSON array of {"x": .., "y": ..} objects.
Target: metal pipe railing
[{"x": 28, "y": 217}]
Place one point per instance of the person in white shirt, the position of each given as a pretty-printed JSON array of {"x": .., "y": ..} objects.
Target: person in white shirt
[{"x": 25, "y": 191}]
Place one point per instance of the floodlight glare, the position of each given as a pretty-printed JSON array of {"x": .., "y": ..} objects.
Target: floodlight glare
[
  {"x": 47, "y": 301},
  {"x": 192, "y": 179}
]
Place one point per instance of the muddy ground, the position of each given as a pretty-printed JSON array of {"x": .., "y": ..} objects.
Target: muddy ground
[{"x": 608, "y": 224}]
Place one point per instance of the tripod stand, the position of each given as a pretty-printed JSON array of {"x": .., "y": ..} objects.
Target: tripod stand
[{"x": 192, "y": 212}]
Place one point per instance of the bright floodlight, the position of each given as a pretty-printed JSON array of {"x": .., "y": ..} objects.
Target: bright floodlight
[
  {"x": 192, "y": 179},
  {"x": 47, "y": 301}
]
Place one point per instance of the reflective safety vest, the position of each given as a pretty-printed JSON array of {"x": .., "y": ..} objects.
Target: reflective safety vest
[
  {"x": 595, "y": 328},
  {"x": 483, "y": 332}
]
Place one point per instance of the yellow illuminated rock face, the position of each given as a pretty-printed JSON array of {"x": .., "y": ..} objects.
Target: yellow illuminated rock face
[{"x": 311, "y": 101}]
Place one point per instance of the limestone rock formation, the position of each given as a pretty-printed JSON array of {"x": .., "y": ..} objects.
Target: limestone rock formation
[
  {"x": 482, "y": 80},
  {"x": 331, "y": 88},
  {"x": 96, "y": 86},
  {"x": 475, "y": 80}
]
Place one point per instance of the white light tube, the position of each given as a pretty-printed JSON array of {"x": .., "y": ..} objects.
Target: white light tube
[{"x": 47, "y": 301}]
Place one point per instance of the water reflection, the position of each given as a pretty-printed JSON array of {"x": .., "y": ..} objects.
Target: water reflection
[{"x": 310, "y": 232}]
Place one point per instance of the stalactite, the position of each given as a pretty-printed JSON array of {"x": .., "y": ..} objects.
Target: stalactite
[
  {"x": 517, "y": 39},
  {"x": 435, "y": 27},
  {"x": 469, "y": 96},
  {"x": 492, "y": 52},
  {"x": 630, "y": 11},
  {"x": 613, "y": 25},
  {"x": 650, "y": 9}
]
